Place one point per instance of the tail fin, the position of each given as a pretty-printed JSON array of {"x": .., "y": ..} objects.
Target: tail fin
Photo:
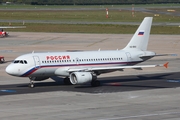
[{"x": 141, "y": 36}]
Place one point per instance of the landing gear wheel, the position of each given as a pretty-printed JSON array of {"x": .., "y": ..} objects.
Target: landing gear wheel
[
  {"x": 31, "y": 85},
  {"x": 95, "y": 83},
  {"x": 67, "y": 81}
]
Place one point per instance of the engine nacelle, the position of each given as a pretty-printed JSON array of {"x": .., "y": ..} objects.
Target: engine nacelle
[
  {"x": 80, "y": 77},
  {"x": 38, "y": 78}
]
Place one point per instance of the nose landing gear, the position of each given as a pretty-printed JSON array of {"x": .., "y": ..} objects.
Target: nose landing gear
[{"x": 31, "y": 84}]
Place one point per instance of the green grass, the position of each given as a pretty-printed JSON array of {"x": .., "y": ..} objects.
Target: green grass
[
  {"x": 105, "y": 29},
  {"x": 82, "y": 6},
  {"x": 86, "y": 16},
  {"x": 36, "y": 13}
]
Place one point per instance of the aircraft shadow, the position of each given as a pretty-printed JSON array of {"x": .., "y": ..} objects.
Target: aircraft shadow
[
  {"x": 108, "y": 85},
  {"x": 140, "y": 81},
  {"x": 120, "y": 81}
]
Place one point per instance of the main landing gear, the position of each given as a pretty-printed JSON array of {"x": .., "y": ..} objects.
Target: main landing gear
[
  {"x": 94, "y": 82},
  {"x": 67, "y": 81}
]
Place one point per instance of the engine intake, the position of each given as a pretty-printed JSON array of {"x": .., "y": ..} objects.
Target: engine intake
[{"x": 80, "y": 77}]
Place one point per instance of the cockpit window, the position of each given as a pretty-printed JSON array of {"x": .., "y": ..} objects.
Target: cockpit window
[
  {"x": 20, "y": 62},
  {"x": 16, "y": 61},
  {"x": 25, "y": 61}
]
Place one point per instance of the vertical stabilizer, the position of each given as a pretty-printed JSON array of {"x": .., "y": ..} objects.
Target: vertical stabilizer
[{"x": 141, "y": 36}]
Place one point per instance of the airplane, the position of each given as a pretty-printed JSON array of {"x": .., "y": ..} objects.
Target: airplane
[
  {"x": 82, "y": 67},
  {"x": 6, "y": 34}
]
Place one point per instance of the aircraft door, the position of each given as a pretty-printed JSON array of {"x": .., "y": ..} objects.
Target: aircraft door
[
  {"x": 77, "y": 61},
  {"x": 129, "y": 58},
  {"x": 36, "y": 62}
]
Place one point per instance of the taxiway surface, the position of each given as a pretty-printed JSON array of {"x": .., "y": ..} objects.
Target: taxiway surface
[{"x": 132, "y": 95}]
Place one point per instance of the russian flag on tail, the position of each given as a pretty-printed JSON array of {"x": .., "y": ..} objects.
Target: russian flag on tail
[{"x": 141, "y": 33}]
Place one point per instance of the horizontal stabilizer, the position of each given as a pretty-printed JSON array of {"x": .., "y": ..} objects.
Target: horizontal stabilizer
[
  {"x": 150, "y": 56},
  {"x": 138, "y": 68},
  {"x": 166, "y": 55}
]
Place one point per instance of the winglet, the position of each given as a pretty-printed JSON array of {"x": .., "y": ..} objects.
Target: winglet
[{"x": 166, "y": 65}]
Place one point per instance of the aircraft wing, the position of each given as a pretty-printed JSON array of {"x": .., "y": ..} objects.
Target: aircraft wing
[
  {"x": 12, "y": 26},
  {"x": 138, "y": 67}
]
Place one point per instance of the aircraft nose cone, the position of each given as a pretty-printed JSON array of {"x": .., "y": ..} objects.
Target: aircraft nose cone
[{"x": 11, "y": 70}]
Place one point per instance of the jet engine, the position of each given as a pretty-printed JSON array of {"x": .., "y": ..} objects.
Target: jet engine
[
  {"x": 38, "y": 78},
  {"x": 80, "y": 77}
]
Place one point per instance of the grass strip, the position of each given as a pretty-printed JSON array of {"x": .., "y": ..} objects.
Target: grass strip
[{"x": 94, "y": 28}]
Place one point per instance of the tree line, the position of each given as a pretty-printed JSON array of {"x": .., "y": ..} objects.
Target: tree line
[{"x": 88, "y": 2}]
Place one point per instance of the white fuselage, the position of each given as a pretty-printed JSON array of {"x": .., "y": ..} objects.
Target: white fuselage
[{"x": 58, "y": 63}]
